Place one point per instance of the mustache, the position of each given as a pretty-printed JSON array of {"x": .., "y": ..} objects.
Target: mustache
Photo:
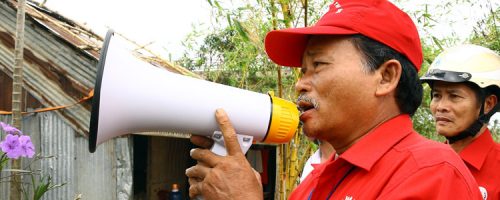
[{"x": 304, "y": 98}]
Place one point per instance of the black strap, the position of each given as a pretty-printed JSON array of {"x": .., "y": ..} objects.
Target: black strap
[
  {"x": 471, "y": 131},
  {"x": 475, "y": 127}
]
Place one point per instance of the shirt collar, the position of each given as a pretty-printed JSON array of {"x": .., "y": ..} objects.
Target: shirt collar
[
  {"x": 475, "y": 153},
  {"x": 378, "y": 141}
]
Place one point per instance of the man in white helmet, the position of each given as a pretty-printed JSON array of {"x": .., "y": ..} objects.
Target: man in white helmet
[{"x": 465, "y": 85}]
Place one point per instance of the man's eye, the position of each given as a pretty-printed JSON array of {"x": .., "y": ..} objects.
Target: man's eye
[
  {"x": 435, "y": 95},
  {"x": 316, "y": 64}
]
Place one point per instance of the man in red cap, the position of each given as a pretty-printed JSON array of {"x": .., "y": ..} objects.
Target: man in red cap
[{"x": 358, "y": 89}]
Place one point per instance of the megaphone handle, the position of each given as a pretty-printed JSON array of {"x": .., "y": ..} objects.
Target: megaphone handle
[{"x": 220, "y": 149}]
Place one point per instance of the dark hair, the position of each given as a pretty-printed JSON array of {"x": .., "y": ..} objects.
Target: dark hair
[
  {"x": 480, "y": 93},
  {"x": 409, "y": 90},
  {"x": 492, "y": 90}
]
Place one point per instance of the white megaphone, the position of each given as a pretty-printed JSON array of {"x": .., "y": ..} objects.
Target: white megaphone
[{"x": 132, "y": 95}]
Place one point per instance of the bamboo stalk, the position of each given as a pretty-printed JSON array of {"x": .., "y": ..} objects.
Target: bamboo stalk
[
  {"x": 287, "y": 14},
  {"x": 280, "y": 167},
  {"x": 17, "y": 89}
]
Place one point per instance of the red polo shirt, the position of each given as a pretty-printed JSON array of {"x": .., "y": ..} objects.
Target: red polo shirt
[
  {"x": 391, "y": 162},
  {"x": 482, "y": 156}
]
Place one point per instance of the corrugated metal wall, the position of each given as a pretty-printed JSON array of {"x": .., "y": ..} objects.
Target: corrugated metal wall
[
  {"x": 55, "y": 72},
  {"x": 105, "y": 174}
]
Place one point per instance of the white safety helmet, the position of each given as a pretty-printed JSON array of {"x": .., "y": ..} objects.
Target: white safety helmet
[{"x": 463, "y": 63}]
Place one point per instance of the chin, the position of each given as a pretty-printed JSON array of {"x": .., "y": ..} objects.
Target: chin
[
  {"x": 308, "y": 132},
  {"x": 446, "y": 133}
]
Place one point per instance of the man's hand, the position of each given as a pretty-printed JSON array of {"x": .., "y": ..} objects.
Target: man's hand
[{"x": 222, "y": 177}]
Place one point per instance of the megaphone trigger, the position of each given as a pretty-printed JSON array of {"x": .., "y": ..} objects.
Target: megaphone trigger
[{"x": 219, "y": 147}]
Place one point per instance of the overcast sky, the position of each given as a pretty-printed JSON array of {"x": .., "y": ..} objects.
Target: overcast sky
[{"x": 164, "y": 22}]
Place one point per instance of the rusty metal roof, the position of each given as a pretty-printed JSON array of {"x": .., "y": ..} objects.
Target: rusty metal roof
[{"x": 60, "y": 58}]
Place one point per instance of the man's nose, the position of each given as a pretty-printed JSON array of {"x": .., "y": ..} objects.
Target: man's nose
[
  {"x": 301, "y": 85},
  {"x": 442, "y": 105}
]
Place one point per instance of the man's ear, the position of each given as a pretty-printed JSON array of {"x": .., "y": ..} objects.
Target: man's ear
[
  {"x": 490, "y": 102},
  {"x": 389, "y": 73}
]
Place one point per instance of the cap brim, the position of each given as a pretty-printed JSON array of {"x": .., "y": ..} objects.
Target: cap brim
[
  {"x": 432, "y": 79},
  {"x": 429, "y": 79},
  {"x": 286, "y": 47},
  {"x": 446, "y": 76}
]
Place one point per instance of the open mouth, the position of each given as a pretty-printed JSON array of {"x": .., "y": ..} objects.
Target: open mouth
[{"x": 304, "y": 106}]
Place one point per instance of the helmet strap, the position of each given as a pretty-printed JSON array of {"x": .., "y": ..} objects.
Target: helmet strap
[{"x": 475, "y": 127}]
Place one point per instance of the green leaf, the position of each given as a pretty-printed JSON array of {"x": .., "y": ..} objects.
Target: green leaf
[
  {"x": 3, "y": 161},
  {"x": 436, "y": 41},
  {"x": 229, "y": 21},
  {"x": 43, "y": 186},
  {"x": 241, "y": 30},
  {"x": 218, "y": 5}
]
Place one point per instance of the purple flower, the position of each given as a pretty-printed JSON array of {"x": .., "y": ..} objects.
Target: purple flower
[
  {"x": 26, "y": 146},
  {"x": 10, "y": 146},
  {"x": 16, "y": 144},
  {"x": 9, "y": 129}
]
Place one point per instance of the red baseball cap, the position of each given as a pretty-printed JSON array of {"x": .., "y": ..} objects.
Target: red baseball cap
[{"x": 379, "y": 20}]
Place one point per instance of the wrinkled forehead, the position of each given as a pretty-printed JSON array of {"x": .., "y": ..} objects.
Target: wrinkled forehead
[
  {"x": 325, "y": 40},
  {"x": 449, "y": 86},
  {"x": 462, "y": 88},
  {"x": 327, "y": 44}
]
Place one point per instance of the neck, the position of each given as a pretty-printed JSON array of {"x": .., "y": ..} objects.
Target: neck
[
  {"x": 342, "y": 147},
  {"x": 459, "y": 145},
  {"x": 326, "y": 150},
  {"x": 377, "y": 112}
]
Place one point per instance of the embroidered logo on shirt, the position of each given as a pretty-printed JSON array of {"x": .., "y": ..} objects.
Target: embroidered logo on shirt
[
  {"x": 349, "y": 198},
  {"x": 484, "y": 193}
]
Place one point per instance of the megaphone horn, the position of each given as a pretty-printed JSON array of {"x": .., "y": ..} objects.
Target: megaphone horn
[{"x": 132, "y": 95}]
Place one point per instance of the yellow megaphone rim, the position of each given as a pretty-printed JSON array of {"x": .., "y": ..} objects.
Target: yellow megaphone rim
[{"x": 284, "y": 121}]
